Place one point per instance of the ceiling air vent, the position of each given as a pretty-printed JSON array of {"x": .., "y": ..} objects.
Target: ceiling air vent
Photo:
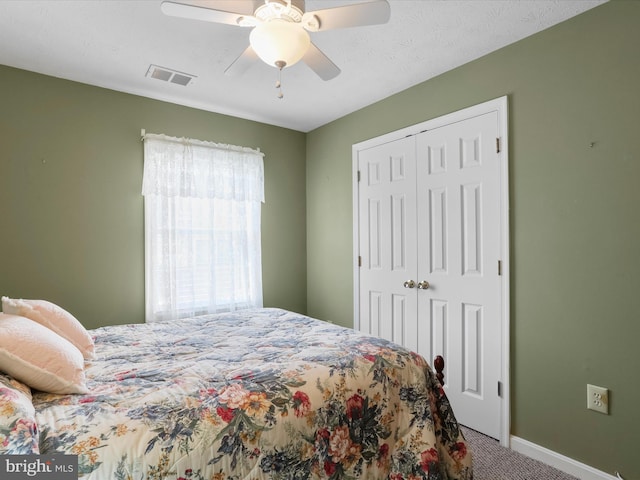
[{"x": 168, "y": 75}]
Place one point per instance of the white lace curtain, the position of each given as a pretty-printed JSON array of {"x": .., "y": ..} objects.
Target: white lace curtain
[{"x": 202, "y": 227}]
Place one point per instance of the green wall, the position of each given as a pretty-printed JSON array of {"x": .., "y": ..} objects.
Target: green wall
[
  {"x": 70, "y": 204},
  {"x": 575, "y": 223}
]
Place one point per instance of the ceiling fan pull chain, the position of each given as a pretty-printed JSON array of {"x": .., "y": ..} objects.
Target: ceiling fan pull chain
[{"x": 280, "y": 66}]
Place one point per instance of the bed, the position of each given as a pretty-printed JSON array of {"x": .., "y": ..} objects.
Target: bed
[{"x": 254, "y": 394}]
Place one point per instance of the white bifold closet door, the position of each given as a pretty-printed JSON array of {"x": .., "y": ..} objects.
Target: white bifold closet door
[{"x": 429, "y": 233}]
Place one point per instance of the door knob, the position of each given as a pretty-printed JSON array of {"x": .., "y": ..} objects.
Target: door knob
[
  {"x": 409, "y": 284},
  {"x": 423, "y": 285}
]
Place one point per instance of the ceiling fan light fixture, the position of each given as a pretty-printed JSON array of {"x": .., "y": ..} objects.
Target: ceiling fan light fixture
[{"x": 279, "y": 41}]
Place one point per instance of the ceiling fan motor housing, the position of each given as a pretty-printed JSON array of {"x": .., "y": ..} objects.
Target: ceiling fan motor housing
[{"x": 289, "y": 10}]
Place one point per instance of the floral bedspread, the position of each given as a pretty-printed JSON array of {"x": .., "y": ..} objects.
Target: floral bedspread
[
  {"x": 258, "y": 394},
  {"x": 18, "y": 432}
]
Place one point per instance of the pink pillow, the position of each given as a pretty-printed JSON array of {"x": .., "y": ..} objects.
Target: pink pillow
[
  {"x": 53, "y": 317},
  {"x": 42, "y": 359}
]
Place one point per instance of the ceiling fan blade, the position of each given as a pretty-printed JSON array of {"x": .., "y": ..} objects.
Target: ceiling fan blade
[
  {"x": 359, "y": 14},
  {"x": 194, "y": 12},
  {"x": 320, "y": 63},
  {"x": 242, "y": 63}
]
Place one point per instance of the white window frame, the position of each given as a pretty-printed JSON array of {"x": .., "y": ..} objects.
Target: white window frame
[{"x": 202, "y": 211}]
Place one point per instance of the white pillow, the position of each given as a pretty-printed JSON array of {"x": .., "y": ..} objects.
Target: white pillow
[
  {"x": 42, "y": 359},
  {"x": 53, "y": 317}
]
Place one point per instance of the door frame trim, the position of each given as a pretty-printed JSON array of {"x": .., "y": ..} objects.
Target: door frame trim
[{"x": 499, "y": 105}]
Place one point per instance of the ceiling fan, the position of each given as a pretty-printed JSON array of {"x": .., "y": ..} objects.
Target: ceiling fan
[{"x": 280, "y": 35}]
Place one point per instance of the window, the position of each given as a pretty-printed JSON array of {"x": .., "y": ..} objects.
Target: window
[{"x": 202, "y": 227}]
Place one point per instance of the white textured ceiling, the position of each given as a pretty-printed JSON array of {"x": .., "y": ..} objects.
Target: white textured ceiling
[{"x": 111, "y": 43}]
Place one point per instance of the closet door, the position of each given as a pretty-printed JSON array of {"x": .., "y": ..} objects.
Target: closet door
[
  {"x": 458, "y": 228},
  {"x": 431, "y": 210},
  {"x": 388, "y": 241}
]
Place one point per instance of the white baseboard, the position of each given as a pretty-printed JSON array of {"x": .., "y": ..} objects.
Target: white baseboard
[{"x": 555, "y": 460}]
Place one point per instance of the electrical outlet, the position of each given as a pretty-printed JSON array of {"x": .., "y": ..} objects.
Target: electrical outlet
[{"x": 598, "y": 399}]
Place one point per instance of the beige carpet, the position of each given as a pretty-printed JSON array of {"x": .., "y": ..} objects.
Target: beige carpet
[{"x": 493, "y": 462}]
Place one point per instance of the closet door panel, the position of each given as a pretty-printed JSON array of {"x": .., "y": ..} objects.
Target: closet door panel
[{"x": 388, "y": 242}]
